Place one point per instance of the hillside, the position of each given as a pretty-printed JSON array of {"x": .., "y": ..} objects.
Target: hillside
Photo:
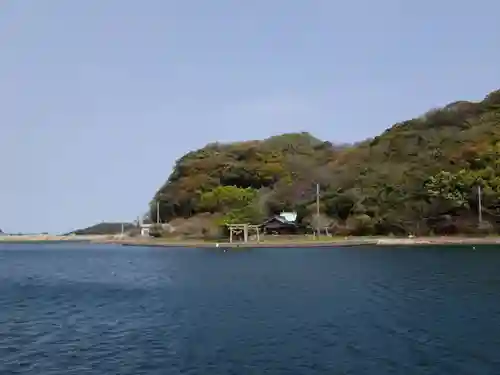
[
  {"x": 103, "y": 229},
  {"x": 419, "y": 176}
]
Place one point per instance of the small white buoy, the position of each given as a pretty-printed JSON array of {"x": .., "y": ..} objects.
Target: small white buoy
[
  {"x": 217, "y": 244},
  {"x": 473, "y": 248}
]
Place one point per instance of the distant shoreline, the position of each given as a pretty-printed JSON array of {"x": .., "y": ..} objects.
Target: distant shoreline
[
  {"x": 45, "y": 238},
  {"x": 336, "y": 242},
  {"x": 266, "y": 243}
]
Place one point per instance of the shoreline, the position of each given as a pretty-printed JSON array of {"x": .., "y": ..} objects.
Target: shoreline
[
  {"x": 334, "y": 242},
  {"x": 274, "y": 243},
  {"x": 44, "y": 238}
]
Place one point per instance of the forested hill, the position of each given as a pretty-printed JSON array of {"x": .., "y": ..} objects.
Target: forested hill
[
  {"x": 419, "y": 176},
  {"x": 103, "y": 228}
]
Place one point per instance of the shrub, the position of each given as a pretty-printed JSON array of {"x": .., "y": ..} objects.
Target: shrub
[{"x": 156, "y": 230}]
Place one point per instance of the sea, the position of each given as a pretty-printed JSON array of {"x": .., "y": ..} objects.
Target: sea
[{"x": 76, "y": 309}]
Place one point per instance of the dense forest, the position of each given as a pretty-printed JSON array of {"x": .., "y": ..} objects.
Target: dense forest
[{"x": 419, "y": 177}]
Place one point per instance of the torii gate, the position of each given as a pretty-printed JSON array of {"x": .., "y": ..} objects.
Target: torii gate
[{"x": 245, "y": 228}]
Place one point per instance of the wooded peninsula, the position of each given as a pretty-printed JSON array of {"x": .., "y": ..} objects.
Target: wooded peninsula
[{"x": 422, "y": 176}]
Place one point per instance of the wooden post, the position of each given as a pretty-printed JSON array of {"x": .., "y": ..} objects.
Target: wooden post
[
  {"x": 230, "y": 234},
  {"x": 245, "y": 233},
  {"x": 258, "y": 237}
]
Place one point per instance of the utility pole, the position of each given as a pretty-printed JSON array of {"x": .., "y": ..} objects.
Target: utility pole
[
  {"x": 317, "y": 210},
  {"x": 157, "y": 211},
  {"x": 479, "y": 207}
]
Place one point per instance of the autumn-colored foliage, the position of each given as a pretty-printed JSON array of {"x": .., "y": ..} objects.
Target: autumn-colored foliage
[{"x": 419, "y": 176}]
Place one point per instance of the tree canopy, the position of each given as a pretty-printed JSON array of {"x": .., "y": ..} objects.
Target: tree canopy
[{"x": 419, "y": 176}]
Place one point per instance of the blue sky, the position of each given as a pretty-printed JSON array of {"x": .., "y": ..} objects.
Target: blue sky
[{"x": 98, "y": 98}]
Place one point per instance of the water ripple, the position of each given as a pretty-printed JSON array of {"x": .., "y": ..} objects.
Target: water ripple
[{"x": 111, "y": 310}]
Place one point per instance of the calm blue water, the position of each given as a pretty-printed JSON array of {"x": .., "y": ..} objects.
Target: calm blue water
[{"x": 75, "y": 309}]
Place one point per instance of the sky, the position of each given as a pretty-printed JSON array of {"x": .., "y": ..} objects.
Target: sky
[{"x": 98, "y": 98}]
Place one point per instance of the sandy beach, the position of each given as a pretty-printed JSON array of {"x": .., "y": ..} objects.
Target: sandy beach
[{"x": 50, "y": 238}]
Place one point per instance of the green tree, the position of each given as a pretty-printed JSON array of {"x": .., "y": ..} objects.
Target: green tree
[{"x": 227, "y": 198}]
